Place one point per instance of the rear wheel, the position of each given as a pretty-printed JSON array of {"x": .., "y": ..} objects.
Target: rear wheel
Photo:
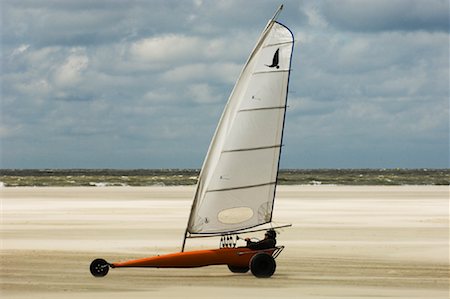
[
  {"x": 262, "y": 265},
  {"x": 99, "y": 267},
  {"x": 237, "y": 269}
]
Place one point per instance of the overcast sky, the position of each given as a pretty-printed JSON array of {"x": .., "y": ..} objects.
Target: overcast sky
[{"x": 142, "y": 84}]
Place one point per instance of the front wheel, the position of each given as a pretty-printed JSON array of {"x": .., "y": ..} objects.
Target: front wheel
[
  {"x": 262, "y": 265},
  {"x": 237, "y": 269},
  {"x": 99, "y": 267}
]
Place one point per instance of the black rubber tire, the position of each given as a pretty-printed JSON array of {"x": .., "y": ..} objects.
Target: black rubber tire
[
  {"x": 99, "y": 267},
  {"x": 262, "y": 265},
  {"x": 236, "y": 269}
]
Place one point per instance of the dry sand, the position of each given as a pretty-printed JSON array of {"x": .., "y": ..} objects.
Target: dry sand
[{"x": 346, "y": 242}]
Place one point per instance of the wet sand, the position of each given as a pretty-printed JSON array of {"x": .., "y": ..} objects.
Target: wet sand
[{"x": 346, "y": 242}]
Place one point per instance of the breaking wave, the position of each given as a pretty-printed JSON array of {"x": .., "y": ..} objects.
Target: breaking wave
[{"x": 174, "y": 177}]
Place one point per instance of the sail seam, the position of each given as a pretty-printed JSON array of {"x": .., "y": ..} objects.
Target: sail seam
[
  {"x": 272, "y": 71},
  {"x": 241, "y": 187},
  {"x": 263, "y": 108},
  {"x": 252, "y": 148}
]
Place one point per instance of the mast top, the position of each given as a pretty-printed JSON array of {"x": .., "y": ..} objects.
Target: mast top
[{"x": 277, "y": 13}]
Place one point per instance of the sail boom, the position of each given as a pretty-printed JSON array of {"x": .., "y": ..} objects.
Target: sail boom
[
  {"x": 242, "y": 187},
  {"x": 241, "y": 231},
  {"x": 213, "y": 234}
]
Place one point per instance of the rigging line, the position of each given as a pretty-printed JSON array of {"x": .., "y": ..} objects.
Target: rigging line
[
  {"x": 241, "y": 187},
  {"x": 252, "y": 149},
  {"x": 262, "y": 108}
]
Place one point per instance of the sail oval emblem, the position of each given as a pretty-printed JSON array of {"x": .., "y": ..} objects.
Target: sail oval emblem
[{"x": 235, "y": 215}]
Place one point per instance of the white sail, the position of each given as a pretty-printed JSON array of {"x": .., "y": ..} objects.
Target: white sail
[{"x": 236, "y": 186}]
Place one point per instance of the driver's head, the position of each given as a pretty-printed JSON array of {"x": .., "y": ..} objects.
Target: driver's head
[{"x": 271, "y": 234}]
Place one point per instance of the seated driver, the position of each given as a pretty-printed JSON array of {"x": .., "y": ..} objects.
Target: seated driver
[{"x": 269, "y": 241}]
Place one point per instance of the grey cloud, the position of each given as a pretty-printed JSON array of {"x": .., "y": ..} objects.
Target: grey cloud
[
  {"x": 74, "y": 97},
  {"x": 79, "y": 23},
  {"x": 388, "y": 15},
  {"x": 142, "y": 83}
]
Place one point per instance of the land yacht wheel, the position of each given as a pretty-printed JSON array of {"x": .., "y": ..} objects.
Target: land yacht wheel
[
  {"x": 262, "y": 265},
  {"x": 99, "y": 267},
  {"x": 235, "y": 269}
]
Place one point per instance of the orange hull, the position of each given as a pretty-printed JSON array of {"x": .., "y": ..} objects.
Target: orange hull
[{"x": 237, "y": 257}]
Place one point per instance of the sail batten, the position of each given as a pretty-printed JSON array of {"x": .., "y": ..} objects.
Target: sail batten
[
  {"x": 237, "y": 182},
  {"x": 252, "y": 149},
  {"x": 263, "y": 108},
  {"x": 242, "y": 187},
  {"x": 282, "y": 43},
  {"x": 277, "y": 71}
]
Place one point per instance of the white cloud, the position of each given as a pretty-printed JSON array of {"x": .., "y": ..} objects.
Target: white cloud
[
  {"x": 10, "y": 130},
  {"x": 315, "y": 18},
  {"x": 198, "y": 2},
  {"x": 21, "y": 49},
  {"x": 203, "y": 94},
  {"x": 72, "y": 69},
  {"x": 165, "y": 48},
  {"x": 190, "y": 72},
  {"x": 219, "y": 72},
  {"x": 175, "y": 49}
]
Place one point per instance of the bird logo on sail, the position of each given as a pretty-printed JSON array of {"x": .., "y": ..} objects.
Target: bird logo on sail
[{"x": 275, "y": 60}]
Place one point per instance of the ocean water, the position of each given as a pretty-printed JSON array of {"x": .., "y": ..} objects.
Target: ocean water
[{"x": 174, "y": 177}]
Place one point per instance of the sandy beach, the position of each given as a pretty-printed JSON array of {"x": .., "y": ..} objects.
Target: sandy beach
[{"x": 345, "y": 242}]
